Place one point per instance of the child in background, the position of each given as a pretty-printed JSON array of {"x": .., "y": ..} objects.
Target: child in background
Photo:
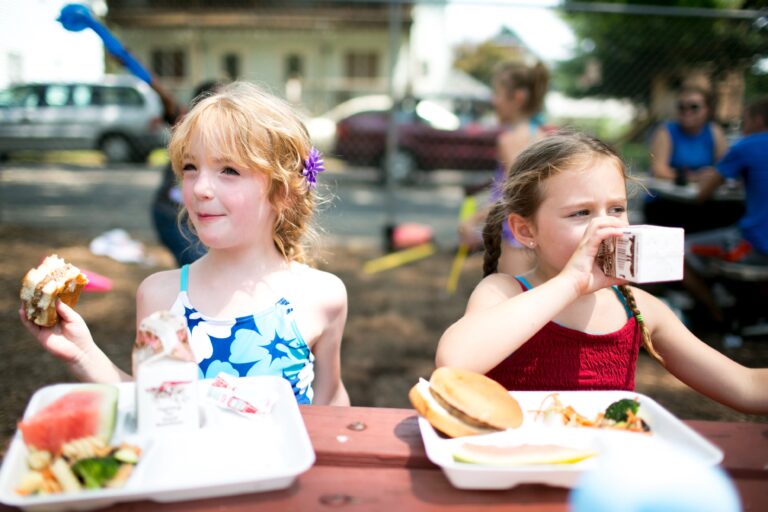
[
  {"x": 518, "y": 97},
  {"x": 565, "y": 325},
  {"x": 252, "y": 306}
]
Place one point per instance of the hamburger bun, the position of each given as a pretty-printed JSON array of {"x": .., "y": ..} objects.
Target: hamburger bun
[
  {"x": 461, "y": 403},
  {"x": 53, "y": 279}
]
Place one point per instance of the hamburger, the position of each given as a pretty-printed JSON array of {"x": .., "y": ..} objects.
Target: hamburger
[
  {"x": 42, "y": 285},
  {"x": 462, "y": 403}
]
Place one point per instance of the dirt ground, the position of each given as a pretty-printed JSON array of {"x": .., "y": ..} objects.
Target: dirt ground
[{"x": 395, "y": 320}]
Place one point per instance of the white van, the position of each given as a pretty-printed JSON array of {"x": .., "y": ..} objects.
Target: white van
[{"x": 120, "y": 115}]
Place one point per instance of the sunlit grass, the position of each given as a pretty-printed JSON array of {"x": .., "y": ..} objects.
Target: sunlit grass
[
  {"x": 87, "y": 158},
  {"x": 158, "y": 157}
]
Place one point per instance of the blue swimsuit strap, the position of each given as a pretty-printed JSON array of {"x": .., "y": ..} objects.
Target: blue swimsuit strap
[
  {"x": 623, "y": 301},
  {"x": 616, "y": 290},
  {"x": 185, "y": 278},
  {"x": 283, "y": 304}
]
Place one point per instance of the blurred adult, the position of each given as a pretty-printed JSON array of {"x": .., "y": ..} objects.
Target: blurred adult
[
  {"x": 518, "y": 98},
  {"x": 173, "y": 231},
  {"x": 747, "y": 241},
  {"x": 680, "y": 150}
]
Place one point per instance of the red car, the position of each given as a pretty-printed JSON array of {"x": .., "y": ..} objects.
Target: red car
[{"x": 429, "y": 137}]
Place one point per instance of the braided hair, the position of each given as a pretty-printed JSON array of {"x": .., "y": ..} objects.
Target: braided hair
[
  {"x": 522, "y": 195},
  {"x": 626, "y": 291}
]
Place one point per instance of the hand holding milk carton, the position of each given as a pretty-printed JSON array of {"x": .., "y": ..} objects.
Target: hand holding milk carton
[{"x": 644, "y": 254}]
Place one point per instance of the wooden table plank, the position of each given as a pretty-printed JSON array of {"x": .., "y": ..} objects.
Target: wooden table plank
[
  {"x": 364, "y": 489},
  {"x": 389, "y": 437},
  {"x": 745, "y": 445}
]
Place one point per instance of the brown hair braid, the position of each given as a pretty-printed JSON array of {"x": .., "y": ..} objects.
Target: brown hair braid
[
  {"x": 626, "y": 291},
  {"x": 492, "y": 238}
]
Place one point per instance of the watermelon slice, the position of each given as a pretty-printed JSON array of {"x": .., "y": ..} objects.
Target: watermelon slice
[
  {"x": 522, "y": 455},
  {"x": 90, "y": 410}
]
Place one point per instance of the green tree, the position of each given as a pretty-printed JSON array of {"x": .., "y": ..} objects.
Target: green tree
[
  {"x": 479, "y": 61},
  {"x": 631, "y": 50}
]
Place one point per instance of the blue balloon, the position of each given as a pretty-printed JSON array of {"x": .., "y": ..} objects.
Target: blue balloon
[
  {"x": 654, "y": 480},
  {"x": 77, "y": 17}
]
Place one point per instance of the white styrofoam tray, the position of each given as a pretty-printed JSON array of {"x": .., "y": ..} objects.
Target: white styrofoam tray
[
  {"x": 228, "y": 455},
  {"x": 667, "y": 431}
]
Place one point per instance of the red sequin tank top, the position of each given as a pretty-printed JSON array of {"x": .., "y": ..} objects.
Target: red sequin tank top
[{"x": 561, "y": 359}]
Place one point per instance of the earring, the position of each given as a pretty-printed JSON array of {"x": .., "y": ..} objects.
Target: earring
[{"x": 532, "y": 244}]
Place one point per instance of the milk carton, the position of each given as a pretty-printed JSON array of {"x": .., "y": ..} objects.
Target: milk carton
[
  {"x": 644, "y": 254},
  {"x": 166, "y": 374}
]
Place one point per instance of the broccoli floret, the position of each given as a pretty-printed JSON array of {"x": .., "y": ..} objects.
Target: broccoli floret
[
  {"x": 617, "y": 411},
  {"x": 96, "y": 471}
]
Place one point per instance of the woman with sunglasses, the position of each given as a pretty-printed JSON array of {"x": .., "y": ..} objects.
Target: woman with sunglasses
[{"x": 680, "y": 148}]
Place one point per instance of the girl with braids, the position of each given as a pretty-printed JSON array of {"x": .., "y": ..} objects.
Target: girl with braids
[
  {"x": 565, "y": 325},
  {"x": 518, "y": 97},
  {"x": 252, "y": 304}
]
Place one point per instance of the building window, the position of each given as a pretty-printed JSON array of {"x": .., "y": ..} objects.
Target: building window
[
  {"x": 294, "y": 66},
  {"x": 362, "y": 65},
  {"x": 231, "y": 65},
  {"x": 169, "y": 63}
]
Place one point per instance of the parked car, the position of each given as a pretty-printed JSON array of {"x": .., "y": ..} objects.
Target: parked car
[
  {"x": 120, "y": 116},
  {"x": 322, "y": 128},
  {"x": 429, "y": 136}
]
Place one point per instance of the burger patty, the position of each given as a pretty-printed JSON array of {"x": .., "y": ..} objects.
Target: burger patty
[{"x": 460, "y": 415}]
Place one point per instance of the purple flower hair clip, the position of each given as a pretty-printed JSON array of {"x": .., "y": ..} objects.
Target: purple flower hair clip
[{"x": 313, "y": 165}]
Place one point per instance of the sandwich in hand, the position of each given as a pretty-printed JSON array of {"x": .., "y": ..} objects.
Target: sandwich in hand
[
  {"x": 41, "y": 286},
  {"x": 461, "y": 403}
]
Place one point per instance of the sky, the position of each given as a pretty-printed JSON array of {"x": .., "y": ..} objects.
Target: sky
[{"x": 34, "y": 46}]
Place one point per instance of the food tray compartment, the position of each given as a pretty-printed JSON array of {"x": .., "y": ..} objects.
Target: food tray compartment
[{"x": 229, "y": 454}]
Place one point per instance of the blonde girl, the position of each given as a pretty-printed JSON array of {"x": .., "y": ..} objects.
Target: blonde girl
[
  {"x": 252, "y": 304},
  {"x": 564, "y": 325}
]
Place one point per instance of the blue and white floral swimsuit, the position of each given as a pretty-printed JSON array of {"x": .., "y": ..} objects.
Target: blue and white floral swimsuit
[{"x": 265, "y": 343}]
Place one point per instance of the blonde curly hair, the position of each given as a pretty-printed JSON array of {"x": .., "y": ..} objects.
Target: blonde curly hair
[{"x": 258, "y": 131}]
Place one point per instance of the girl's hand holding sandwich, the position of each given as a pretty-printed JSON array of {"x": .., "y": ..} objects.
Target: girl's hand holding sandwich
[{"x": 70, "y": 340}]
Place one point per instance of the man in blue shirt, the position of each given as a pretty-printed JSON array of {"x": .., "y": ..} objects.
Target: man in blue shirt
[{"x": 747, "y": 241}]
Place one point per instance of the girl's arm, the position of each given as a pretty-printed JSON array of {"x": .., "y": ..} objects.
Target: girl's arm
[
  {"x": 511, "y": 143},
  {"x": 700, "y": 366},
  {"x": 721, "y": 141},
  {"x": 331, "y": 299},
  {"x": 70, "y": 340},
  {"x": 500, "y": 318},
  {"x": 661, "y": 150},
  {"x": 468, "y": 227}
]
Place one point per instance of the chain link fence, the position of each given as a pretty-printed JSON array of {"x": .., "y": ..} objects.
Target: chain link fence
[{"x": 395, "y": 85}]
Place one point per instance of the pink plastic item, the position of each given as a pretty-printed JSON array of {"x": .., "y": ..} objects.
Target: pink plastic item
[
  {"x": 410, "y": 235},
  {"x": 96, "y": 282}
]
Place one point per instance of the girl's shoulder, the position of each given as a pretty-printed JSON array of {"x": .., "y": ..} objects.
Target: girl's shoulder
[
  {"x": 164, "y": 278},
  {"x": 493, "y": 289},
  {"x": 319, "y": 286},
  {"x": 158, "y": 291}
]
